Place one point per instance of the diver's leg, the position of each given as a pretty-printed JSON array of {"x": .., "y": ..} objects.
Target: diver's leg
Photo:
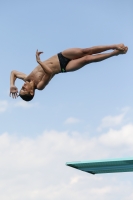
[
  {"x": 75, "y": 53},
  {"x": 99, "y": 49},
  {"x": 76, "y": 64}
]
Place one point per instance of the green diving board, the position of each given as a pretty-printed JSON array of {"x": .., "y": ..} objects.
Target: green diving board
[{"x": 104, "y": 166}]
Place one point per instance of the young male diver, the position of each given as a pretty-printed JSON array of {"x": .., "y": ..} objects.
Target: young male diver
[{"x": 67, "y": 61}]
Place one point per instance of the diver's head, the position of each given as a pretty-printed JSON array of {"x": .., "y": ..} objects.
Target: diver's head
[{"x": 27, "y": 91}]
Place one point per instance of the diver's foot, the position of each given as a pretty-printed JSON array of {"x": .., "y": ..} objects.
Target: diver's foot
[
  {"x": 121, "y": 48},
  {"x": 119, "y": 51}
]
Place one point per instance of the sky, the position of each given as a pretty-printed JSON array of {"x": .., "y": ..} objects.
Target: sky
[{"x": 82, "y": 115}]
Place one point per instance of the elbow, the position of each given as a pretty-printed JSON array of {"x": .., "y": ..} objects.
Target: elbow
[{"x": 13, "y": 73}]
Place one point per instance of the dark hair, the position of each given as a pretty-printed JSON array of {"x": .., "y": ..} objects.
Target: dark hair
[{"x": 26, "y": 97}]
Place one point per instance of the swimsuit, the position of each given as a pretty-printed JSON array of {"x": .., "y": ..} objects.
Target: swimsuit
[{"x": 63, "y": 62}]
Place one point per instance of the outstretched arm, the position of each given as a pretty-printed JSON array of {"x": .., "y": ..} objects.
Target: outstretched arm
[
  {"x": 46, "y": 69},
  {"x": 14, "y": 75}
]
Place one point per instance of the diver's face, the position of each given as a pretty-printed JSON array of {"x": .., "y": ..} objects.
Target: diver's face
[{"x": 26, "y": 88}]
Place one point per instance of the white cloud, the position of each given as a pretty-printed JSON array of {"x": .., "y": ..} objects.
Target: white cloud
[
  {"x": 72, "y": 120},
  {"x": 111, "y": 121},
  {"x": 121, "y": 137},
  {"x": 3, "y": 106},
  {"x": 35, "y": 168},
  {"x": 125, "y": 109},
  {"x": 24, "y": 104}
]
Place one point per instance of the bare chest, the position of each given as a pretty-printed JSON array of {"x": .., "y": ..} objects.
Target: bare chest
[{"x": 37, "y": 75}]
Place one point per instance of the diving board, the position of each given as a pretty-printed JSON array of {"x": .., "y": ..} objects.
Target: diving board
[{"x": 104, "y": 166}]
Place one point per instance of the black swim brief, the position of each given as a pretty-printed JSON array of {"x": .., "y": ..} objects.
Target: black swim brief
[{"x": 63, "y": 62}]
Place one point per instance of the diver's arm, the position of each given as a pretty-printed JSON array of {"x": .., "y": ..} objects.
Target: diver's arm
[
  {"x": 46, "y": 69},
  {"x": 14, "y": 75}
]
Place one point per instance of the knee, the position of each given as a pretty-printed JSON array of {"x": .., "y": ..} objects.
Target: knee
[
  {"x": 87, "y": 51},
  {"x": 84, "y": 52},
  {"x": 88, "y": 59}
]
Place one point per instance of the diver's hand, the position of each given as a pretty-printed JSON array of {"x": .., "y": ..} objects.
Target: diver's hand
[
  {"x": 38, "y": 55},
  {"x": 13, "y": 91}
]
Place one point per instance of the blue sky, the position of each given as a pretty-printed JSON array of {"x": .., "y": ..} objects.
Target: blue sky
[{"x": 90, "y": 109}]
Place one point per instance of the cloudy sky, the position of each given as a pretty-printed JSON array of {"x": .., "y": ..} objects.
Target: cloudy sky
[{"x": 84, "y": 115}]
